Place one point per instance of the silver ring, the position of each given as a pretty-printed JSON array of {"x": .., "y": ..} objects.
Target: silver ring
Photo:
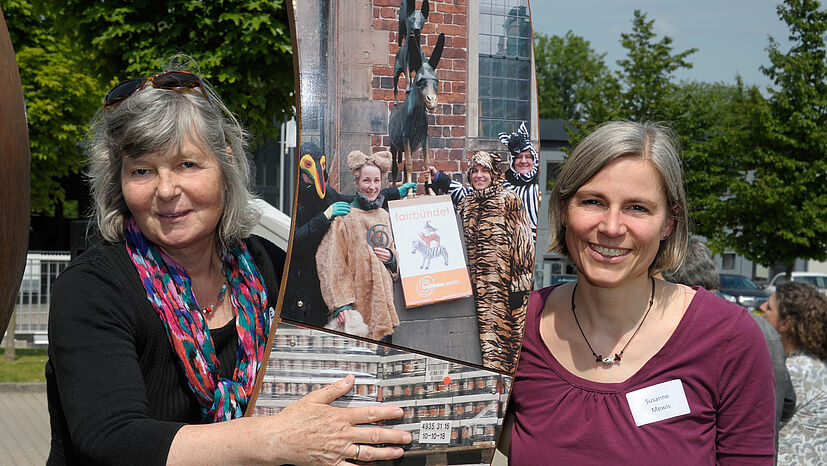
[{"x": 356, "y": 456}]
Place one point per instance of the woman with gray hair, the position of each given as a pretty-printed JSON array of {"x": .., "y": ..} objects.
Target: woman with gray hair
[
  {"x": 658, "y": 371},
  {"x": 157, "y": 333}
]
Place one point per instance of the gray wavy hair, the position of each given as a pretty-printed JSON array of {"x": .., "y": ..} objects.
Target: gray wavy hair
[
  {"x": 654, "y": 142},
  {"x": 159, "y": 120}
]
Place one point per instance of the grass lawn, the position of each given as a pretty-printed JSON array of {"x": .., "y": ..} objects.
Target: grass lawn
[{"x": 27, "y": 367}]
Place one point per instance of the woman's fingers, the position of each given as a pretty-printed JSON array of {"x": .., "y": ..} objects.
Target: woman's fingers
[
  {"x": 372, "y": 414},
  {"x": 326, "y": 395},
  {"x": 379, "y": 435},
  {"x": 369, "y": 453}
]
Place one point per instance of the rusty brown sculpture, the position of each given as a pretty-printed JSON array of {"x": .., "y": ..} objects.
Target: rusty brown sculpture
[
  {"x": 408, "y": 125},
  {"x": 14, "y": 179}
]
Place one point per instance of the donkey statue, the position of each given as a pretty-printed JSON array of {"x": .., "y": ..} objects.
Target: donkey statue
[
  {"x": 408, "y": 124},
  {"x": 410, "y": 28}
]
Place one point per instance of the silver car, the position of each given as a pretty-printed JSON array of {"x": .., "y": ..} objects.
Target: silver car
[{"x": 819, "y": 280}]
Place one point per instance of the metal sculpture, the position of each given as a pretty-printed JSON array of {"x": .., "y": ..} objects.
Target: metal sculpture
[
  {"x": 410, "y": 29},
  {"x": 408, "y": 125},
  {"x": 14, "y": 178}
]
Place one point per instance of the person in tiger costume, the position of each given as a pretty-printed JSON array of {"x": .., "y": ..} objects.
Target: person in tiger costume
[
  {"x": 500, "y": 260},
  {"x": 521, "y": 177}
]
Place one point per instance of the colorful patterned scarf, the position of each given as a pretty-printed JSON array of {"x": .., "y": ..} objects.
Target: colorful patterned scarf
[{"x": 169, "y": 290}]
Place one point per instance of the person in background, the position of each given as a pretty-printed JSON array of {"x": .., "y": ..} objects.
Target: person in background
[
  {"x": 699, "y": 270},
  {"x": 500, "y": 260},
  {"x": 799, "y": 312},
  {"x": 317, "y": 205},
  {"x": 357, "y": 259},
  {"x": 521, "y": 177},
  {"x": 659, "y": 372},
  {"x": 157, "y": 333}
]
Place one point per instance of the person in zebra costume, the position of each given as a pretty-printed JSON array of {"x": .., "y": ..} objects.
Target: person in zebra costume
[{"x": 521, "y": 177}]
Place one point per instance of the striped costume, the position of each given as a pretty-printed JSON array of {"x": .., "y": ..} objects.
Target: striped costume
[{"x": 525, "y": 186}]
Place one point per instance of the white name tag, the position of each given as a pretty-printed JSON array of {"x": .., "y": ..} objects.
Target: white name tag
[{"x": 658, "y": 402}]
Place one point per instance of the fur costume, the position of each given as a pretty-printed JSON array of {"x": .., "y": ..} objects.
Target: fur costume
[
  {"x": 303, "y": 299},
  {"x": 352, "y": 274},
  {"x": 525, "y": 186},
  {"x": 500, "y": 261}
]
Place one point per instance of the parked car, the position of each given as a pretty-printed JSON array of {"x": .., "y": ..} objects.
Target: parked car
[
  {"x": 564, "y": 278},
  {"x": 819, "y": 280},
  {"x": 743, "y": 291}
]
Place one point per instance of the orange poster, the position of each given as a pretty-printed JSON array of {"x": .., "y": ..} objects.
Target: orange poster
[{"x": 431, "y": 257}]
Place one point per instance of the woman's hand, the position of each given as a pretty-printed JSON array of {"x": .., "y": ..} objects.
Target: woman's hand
[
  {"x": 308, "y": 432},
  {"x": 318, "y": 433},
  {"x": 383, "y": 254}
]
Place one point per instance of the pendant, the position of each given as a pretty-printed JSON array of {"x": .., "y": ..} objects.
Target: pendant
[{"x": 607, "y": 361}]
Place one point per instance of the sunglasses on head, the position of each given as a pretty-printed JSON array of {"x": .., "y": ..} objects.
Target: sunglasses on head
[{"x": 172, "y": 80}]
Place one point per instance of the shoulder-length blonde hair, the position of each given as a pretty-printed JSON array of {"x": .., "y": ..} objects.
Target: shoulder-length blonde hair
[{"x": 654, "y": 142}]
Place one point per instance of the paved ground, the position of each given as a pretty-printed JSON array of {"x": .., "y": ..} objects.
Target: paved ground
[{"x": 24, "y": 424}]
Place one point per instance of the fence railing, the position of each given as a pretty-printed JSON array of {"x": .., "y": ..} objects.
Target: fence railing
[{"x": 32, "y": 307}]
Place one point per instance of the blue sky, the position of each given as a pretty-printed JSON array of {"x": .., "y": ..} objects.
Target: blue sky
[{"x": 730, "y": 35}]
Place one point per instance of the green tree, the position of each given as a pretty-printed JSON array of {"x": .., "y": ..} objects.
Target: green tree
[
  {"x": 643, "y": 87},
  {"x": 241, "y": 46},
  {"x": 778, "y": 208},
  {"x": 70, "y": 53},
  {"x": 60, "y": 100},
  {"x": 647, "y": 71},
  {"x": 571, "y": 76}
]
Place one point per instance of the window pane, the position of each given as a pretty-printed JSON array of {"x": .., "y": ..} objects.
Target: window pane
[
  {"x": 511, "y": 109},
  {"x": 485, "y": 44},
  {"x": 523, "y": 110},
  {"x": 485, "y": 24},
  {"x": 485, "y": 68},
  {"x": 499, "y": 88},
  {"x": 497, "y": 108},
  {"x": 524, "y": 90},
  {"x": 485, "y": 87},
  {"x": 512, "y": 68},
  {"x": 523, "y": 48},
  {"x": 485, "y": 129},
  {"x": 524, "y": 69},
  {"x": 525, "y": 29},
  {"x": 497, "y": 127},
  {"x": 511, "y": 89},
  {"x": 497, "y": 67},
  {"x": 497, "y": 25}
]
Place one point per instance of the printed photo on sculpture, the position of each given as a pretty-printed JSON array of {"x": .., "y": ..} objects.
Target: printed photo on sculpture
[{"x": 396, "y": 101}]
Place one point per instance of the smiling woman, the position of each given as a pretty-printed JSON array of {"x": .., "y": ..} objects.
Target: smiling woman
[
  {"x": 664, "y": 371},
  {"x": 176, "y": 197},
  {"x": 357, "y": 257},
  {"x": 500, "y": 258}
]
